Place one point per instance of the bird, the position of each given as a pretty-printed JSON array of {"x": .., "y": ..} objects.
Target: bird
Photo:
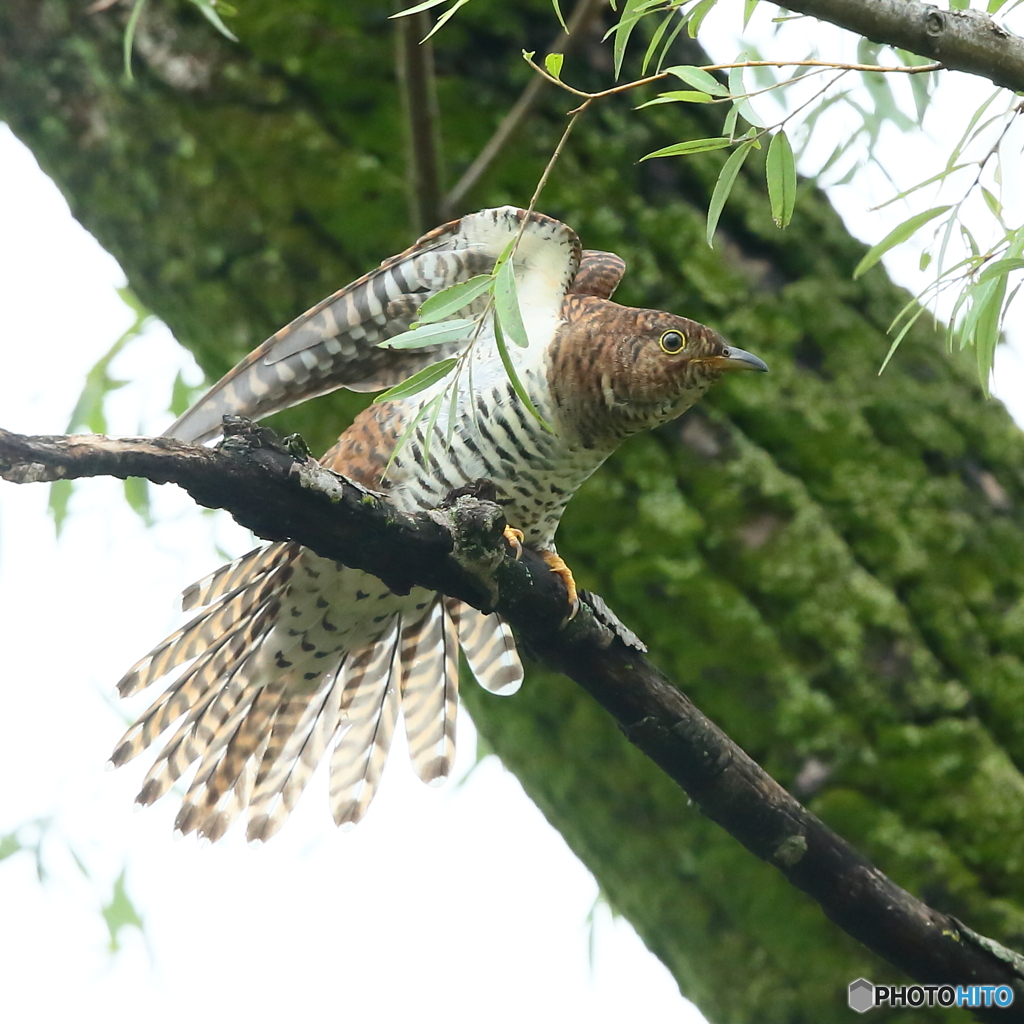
[{"x": 294, "y": 658}]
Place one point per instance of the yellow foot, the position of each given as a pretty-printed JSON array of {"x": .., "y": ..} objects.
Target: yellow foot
[
  {"x": 515, "y": 540},
  {"x": 555, "y": 564}
]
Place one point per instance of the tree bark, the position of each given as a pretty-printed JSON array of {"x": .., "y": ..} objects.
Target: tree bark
[
  {"x": 967, "y": 40},
  {"x": 829, "y": 562}
]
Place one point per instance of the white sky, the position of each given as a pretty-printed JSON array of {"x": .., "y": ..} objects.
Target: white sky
[{"x": 443, "y": 905}]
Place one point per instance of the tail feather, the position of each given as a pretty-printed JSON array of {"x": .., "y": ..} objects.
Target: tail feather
[
  {"x": 209, "y": 807},
  {"x": 278, "y": 667},
  {"x": 191, "y": 687},
  {"x": 174, "y": 760},
  {"x": 489, "y": 647},
  {"x": 242, "y": 572},
  {"x": 203, "y": 631},
  {"x": 370, "y": 705},
  {"x": 430, "y": 691},
  {"x": 282, "y": 779}
]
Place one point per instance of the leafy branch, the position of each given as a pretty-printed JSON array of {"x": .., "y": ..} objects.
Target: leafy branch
[
  {"x": 959, "y": 39},
  {"x": 984, "y": 277}
]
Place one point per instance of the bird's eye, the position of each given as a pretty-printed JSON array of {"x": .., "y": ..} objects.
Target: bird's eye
[{"x": 672, "y": 342}]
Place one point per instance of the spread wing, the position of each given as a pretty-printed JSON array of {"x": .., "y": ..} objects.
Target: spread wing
[{"x": 334, "y": 344}]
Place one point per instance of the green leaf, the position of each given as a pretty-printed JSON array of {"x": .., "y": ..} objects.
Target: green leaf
[
  {"x": 748, "y": 10},
  {"x": 505, "y": 255},
  {"x": 780, "y": 168},
  {"x": 925, "y": 261},
  {"x": 78, "y": 860},
  {"x": 558, "y": 14},
  {"x": 182, "y": 395},
  {"x": 425, "y": 6},
  {"x": 419, "y": 381},
  {"x": 992, "y": 203},
  {"x": 213, "y": 17},
  {"x": 899, "y": 234},
  {"x": 453, "y": 298},
  {"x": 726, "y": 180},
  {"x": 136, "y": 492},
  {"x": 958, "y": 148},
  {"x": 129, "y": 37},
  {"x": 986, "y": 330},
  {"x": 10, "y": 845},
  {"x": 553, "y": 64},
  {"x": 652, "y": 47},
  {"x": 88, "y": 412},
  {"x": 453, "y": 412},
  {"x": 693, "y": 146},
  {"x": 921, "y": 86},
  {"x": 696, "y": 17},
  {"x": 1000, "y": 269},
  {"x": 668, "y": 41},
  {"x": 506, "y": 305},
  {"x": 677, "y": 97},
  {"x": 698, "y": 78},
  {"x": 517, "y": 384},
  {"x": 965, "y": 231},
  {"x": 738, "y": 91},
  {"x": 899, "y": 337},
  {"x": 632, "y": 12},
  {"x": 730, "y": 121},
  {"x": 920, "y": 185},
  {"x": 430, "y": 409},
  {"x": 430, "y": 334},
  {"x": 60, "y": 497},
  {"x": 444, "y": 18},
  {"x": 120, "y": 913}
]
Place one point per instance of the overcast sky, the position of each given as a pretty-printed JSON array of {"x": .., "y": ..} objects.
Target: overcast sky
[{"x": 443, "y": 905}]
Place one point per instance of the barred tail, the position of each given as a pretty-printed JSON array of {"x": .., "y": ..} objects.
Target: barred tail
[{"x": 282, "y": 663}]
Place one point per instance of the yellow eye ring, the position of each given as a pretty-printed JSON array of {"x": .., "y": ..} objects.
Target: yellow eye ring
[{"x": 672, "y": 342}]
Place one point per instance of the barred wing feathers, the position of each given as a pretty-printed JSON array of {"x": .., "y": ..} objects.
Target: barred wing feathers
[{"x": 334, "y": 344}]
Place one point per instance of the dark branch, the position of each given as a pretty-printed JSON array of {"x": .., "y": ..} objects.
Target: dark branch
[
  {"x": 965, "y": 40},
  {"x": 280, "y": 493},
  {"x": 415, "y": 65}
]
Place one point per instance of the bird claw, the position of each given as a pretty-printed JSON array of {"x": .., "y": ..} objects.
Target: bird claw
[
  {"x": 515, "y": 541},
  {"x": 556, "y": 564}
]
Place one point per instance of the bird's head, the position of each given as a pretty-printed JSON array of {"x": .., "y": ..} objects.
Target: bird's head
[{"x": 616, "y": 370}]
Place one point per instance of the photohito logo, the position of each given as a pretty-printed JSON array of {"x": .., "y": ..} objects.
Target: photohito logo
[{"x": 863, "y": 995}]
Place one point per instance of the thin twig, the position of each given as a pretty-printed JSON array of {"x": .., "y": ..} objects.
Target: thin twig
[
  {"x": 415, "y": 66},
  {"x": 554, "y": 159},
  {"x": 903, "y": 69}
]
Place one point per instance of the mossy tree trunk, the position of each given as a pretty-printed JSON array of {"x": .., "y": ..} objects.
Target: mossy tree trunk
[{"x": 829, "y": 562}]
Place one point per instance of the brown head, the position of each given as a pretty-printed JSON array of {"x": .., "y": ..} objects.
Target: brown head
[{"x": 615, "y": 371}]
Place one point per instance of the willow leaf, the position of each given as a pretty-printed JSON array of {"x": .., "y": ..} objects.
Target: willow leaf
[
  {"x": 899, "y": 234},
  {"x": 419, "y": 381},
  {"x": 452, "y": 299}
]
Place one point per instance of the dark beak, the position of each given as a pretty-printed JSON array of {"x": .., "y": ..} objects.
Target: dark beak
[{"x": 737, "y": 359}]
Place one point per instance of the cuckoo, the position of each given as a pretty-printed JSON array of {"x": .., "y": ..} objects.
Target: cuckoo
[{"x": 292, "y": 656}]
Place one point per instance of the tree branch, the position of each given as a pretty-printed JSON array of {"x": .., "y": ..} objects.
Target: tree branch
[
  {"x": 965, "y": 40},
  {"x": 414, "y": 61},
  {"x": 280, "y": 493}
]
